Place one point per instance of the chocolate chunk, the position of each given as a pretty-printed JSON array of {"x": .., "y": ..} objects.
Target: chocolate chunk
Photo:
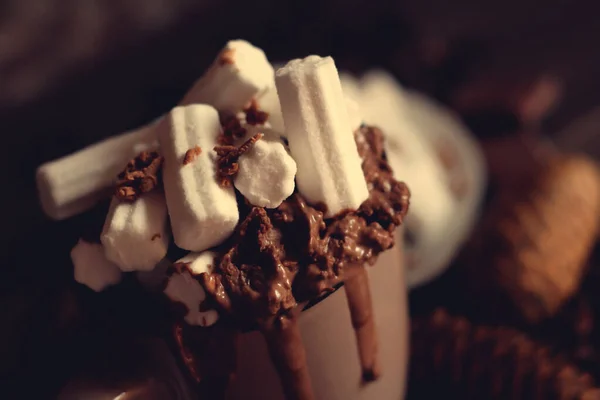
[
  {"x": 141, "y": 175},
  {"x": 191, "y": 155},
  {"x": 228, "y": 156},
  {"x": 156, "y": 236},
  {"x": 226, "y": 57},
  {"x": 232, "y": 129},
  {"x": 254, "y": 116}
]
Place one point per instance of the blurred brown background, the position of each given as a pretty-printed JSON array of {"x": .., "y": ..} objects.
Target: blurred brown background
[{"x": 75, "y": 71}]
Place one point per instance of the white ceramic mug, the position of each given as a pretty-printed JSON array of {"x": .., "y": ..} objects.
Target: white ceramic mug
[{"x": 330, "y": 344}]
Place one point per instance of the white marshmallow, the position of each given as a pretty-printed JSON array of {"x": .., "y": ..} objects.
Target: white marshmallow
[
  {"x": 92, "y": 268},
  {"x": 320, "y": 135},
  {"x": 266, "y": 174},
  {"x": 240, "y": 73},
  {"x": 75, "y": 183},
  {"x": 203, "y": 213},
  {"x": 184, "y": 288},
  {"x": 135, "y": 234}
]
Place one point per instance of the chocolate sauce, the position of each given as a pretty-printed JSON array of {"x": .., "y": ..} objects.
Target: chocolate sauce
[
  {"x": 361, "y": 312},
  {"x": 279, "y": 258},
  {"x": 288, "y": 355}
]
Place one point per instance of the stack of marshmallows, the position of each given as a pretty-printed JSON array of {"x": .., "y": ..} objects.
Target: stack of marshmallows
[{"x": 307, "y": 140}]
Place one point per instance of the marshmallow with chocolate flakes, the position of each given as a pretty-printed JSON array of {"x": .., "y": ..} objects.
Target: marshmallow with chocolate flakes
[
  {"x": 240, "y": 73},
  {"x": 184, "y": 288},
  {"x": 266, "y": 174},
  {"x": 75, "y": 183},
  {"x": 135, "y": 234},
  {"x": 92, "y": 268},
  {"x": 320, "y": 134},
  {"x": 203, "y": 213}
]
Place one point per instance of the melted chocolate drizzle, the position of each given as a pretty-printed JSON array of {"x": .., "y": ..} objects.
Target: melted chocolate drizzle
[
  {"x": 361, "y": 312},
  {"x": 279, "y": 258}
]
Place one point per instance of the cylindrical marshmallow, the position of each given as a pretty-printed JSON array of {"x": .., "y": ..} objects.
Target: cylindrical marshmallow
[
  {"x": 75, "y": 183},
  {"x": 240, "y": 73},
  {"x": 135, "y": 234},
  {"x": 203, "y": 213},
  {"x": 320, "y": 135}
]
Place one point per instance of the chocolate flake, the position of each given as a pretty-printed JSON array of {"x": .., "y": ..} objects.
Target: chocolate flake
[
  {"x": 141, "y": 175},
  {"x": 191, "y": 155},
  {"x": 232, "y": 129},
  {"x": 254, "y": 116},
  {"x": 228, "y": 156},
  {"x": 226, "y": 57}
]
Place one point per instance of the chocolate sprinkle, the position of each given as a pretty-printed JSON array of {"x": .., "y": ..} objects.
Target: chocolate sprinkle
[
  {"x": 232, "y": 129},
  {"x": 141, "y": 175},
  {"x": 191, "y": 155},
  {"x": 226, "y": 57},
  {"x": 254, "y": 116},
  {"x": 227, "y": 157}
]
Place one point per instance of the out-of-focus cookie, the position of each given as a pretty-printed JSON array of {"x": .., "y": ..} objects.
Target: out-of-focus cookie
[
  {"x": 451, "y": 356},
  {"x": 530, "y": 253}
]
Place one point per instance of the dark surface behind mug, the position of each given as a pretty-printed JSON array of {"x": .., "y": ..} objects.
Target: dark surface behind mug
[{"x": 75, "y": 71}]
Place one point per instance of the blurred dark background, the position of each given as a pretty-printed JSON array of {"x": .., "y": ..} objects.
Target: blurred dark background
[{"x": 75, "y": 71}]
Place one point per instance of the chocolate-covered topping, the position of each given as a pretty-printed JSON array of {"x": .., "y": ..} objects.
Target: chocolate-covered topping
[
  {"x": 254, "y": 116},
  {"x": 278, "y": 258},
  {"x": 292, "y": 254},
  {"x": 228, "y": 155},
  {"x": 232, "y": 129},
  {"x": 191, "y": 155},
  {"x": 226, "y": 57},
  {"x": 141, "y": 175}
]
